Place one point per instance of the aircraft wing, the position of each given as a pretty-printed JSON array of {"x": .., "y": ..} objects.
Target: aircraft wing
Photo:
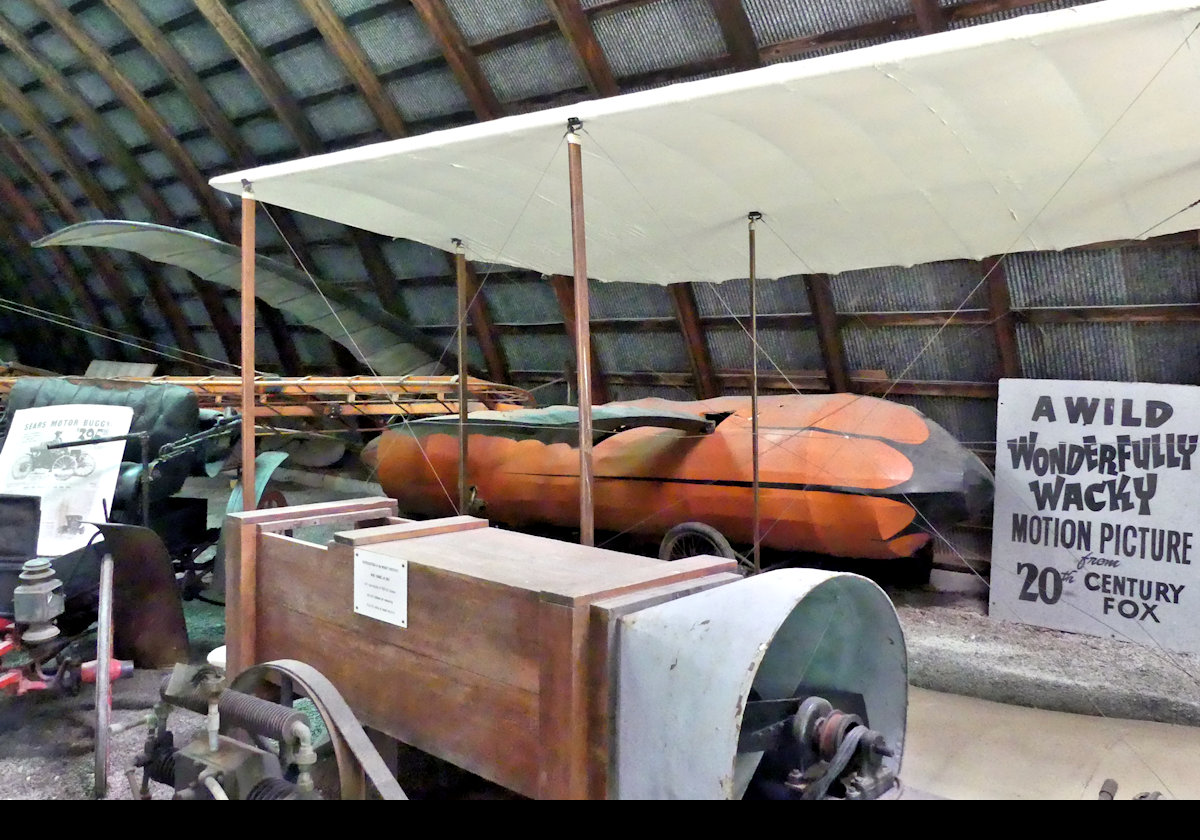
[
  {"x": 560, "y": 423},
  {"x": 386, "y": 343}
]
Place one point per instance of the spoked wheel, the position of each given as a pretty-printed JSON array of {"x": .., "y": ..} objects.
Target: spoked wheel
[
  {"x": 23, "y": 466},
  {"x": 346, "y": 758},
  {"x": 693, "y": 539}
]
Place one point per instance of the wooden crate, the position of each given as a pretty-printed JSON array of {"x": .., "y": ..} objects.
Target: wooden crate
[{"x": 504, "y": 666}]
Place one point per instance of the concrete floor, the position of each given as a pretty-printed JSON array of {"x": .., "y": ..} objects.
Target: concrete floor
[{"x": 1124, "y": 711}]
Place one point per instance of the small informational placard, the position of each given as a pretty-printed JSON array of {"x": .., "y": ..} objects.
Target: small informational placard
[
  {"x": 76, "y": 484},
  {"x": 381, "y": 587},
  {"x": 1095, "y": 522}
]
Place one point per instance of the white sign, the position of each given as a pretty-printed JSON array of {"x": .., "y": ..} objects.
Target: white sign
[
  {"x": 381, "y": 587},
  {"x": 1097, "y": 502},
  {"x": 76, "y": 484}
]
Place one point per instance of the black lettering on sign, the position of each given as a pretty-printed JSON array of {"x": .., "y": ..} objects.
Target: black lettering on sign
[{"x": 1049, "y": 582}]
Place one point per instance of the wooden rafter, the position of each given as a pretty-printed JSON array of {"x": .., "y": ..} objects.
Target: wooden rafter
[
  {"x": 163, "y": 139},
  {"x": 735, "y": 29},
  {"x": 564, "y": 292},
  {"x": 574, "y": 25},
  {"x": 357, "y": 65},
  {"x": 1004, "y": 329},
  {"x": 35, "y": 290},
  {"x": 288, "y": 111},
  {"x": 829, "y": 337},
  {"x": 485, "y": 329},
  {"x": 15, "y": 202},
  {"x": 687, "y": 315},
  {"x": 459, "y": 56},
  {"x": 119, "y": 155},
  {"x": 930, "y": 17}
]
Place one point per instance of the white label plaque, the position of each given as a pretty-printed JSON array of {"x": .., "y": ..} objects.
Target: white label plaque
[
  {"x": 381, "y": 587},
  {"x": 1097, "y": 494}
]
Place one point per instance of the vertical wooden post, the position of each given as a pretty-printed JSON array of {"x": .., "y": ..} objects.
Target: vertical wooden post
[
  {"x": 460, "y": 265},
  {"x": 820, "y": 301},
  {"x": 1000, "y": 313},
  {"x": 752, "y": 218},
  {"x": 583, "y": 337},
  {"x": 248, "y": 404}
]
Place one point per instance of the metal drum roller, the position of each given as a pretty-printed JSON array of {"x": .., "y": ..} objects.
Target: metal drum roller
[{"x": 789, "y": 684}]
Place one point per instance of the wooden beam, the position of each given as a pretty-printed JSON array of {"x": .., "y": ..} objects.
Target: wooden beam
[
  {"x": 288, "y": 111},
  {"x": 574, "y": 25},
  {"x": 820, "y": 300},
  {"x": 485, "y": 329},
  {"x": 1000, "y": 314},
  {"x": 12, "y": 198},
  {"x": 1160, "y": 313},
  {"x": 356, "y": 64},
  {"x": 704, "y": 380},
  {"x": 458, "y": 55},
  {"x": 736, "y": 30},
  {"x": 564, "y": 291},
  {"x": 117, "y": 152},
  {"x": 929, "y": 15}
]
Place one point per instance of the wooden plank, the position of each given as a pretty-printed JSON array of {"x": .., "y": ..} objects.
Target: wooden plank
[
  {"x": 1000, "y": 315},
  {"x": 408, "y": 530},
  {"x": 475, "y": 723},
  {"x": 562, "y": 721},
  {"x": 683, "y": 297},
  {"x": 349, "y": 507}
]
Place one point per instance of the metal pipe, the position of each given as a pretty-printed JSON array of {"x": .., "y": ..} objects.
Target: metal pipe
[
  {"x": 214, "y": 787},
  {"x": 460, "y": 266},
  {"x": 583, "y": 337},
  {"x": 753, "y": 217},
  {"x": 248, "y": 207}
]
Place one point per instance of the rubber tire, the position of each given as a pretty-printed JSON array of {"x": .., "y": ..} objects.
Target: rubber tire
[{"x": 694, "y": 531}]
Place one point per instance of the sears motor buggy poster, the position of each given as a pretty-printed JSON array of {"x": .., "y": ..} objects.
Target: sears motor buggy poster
[
  {"x": 1097, "y": 508},
  {"x": 76, "y": 483}
]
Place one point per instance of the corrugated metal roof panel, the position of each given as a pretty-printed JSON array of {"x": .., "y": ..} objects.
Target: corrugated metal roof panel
[
  {"x": 54, "y": 111},
  {"x": 235, "y": 94},
  {"x": 955, "y": 353},
  {"x": 483, "y": 21},
  {"x": 1004, "y": 14},
  {"x": 396, "y": 39},
  {"x": 943, "y": 285},
  {"x": 786, "y": 350},
  {"x": 337, "y": 264},
  {"x": 636, "y": 352},
  {"x": 527, "y": 351},
  {"x": 431, "y": 305},
  {"x": 1077, "y": 351},
  {"x": 269, "y": 21},
  {"x": 139, "y": 68},
  {"x": 345, "y": 8},
  {"x": 785, "y": 295},
  {"x": 539, "y": 67},
  {"x": 629, "y": 393},
  {"x": 21, "y": 13},
  {"x": 93, "y": 88},
  {"x": 668, "y": 33},
  {"x": 156, "y": 165},
  {"x": 413, "y": 259},
  {"x": 163, "y": 11},
  {"x": 267, "y": 137},
  {"x": 180, "y": 199},
  {"x": 125, "y": 125},
  {"x": 629, "y": 300},
  {"x": 515, "y": 302},
  {"x": 1112, "y": 277},
  {"x": 111, "y": 178},
  {"x": 207, "y": 154},
  {"x": 309, "y": 69},
  {"x": 433, "y": 93},
  {"x": 177, "y": 111},
  {"x": 336, "y": 118},
  {"x": 56, "y": 48},
  {"x": 1167, "y": 353},
  {"x": 102, "y": 25},
  {"x": 782, "y": 20},
  {"x": 200, "y": 44}
]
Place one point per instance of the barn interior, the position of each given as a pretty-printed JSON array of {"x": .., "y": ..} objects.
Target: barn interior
[{"x": 128, "y": 129}]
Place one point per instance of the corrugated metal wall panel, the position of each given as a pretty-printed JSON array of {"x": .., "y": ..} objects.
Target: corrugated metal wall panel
[
  {"x": 1077, "y": 351},
  {"x": 785, "y": 295},
  {"x": 781, "y": 20},
  {"x": 1104, "y": 278},
  {"x": 629, "y": 300},
  {"x": 628, "y": 393},
  {"x": 535, "y": 68},
  {"x": 514, "y": 302},
  {"x": 483, "y": 21},
  {"x": 955, "y": 353},
  {"x": 971, "y": 421},
  {"x": 786, "y": 349},
  {"x": 1004, "y": 14},
  {"x": 943, "y": 285},
  {"x": 529, "y": 351},
  {"x": 639, "y": 352},
  {"x": 659, "y": 35},
  {"x": 1167, "y": 353}
]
